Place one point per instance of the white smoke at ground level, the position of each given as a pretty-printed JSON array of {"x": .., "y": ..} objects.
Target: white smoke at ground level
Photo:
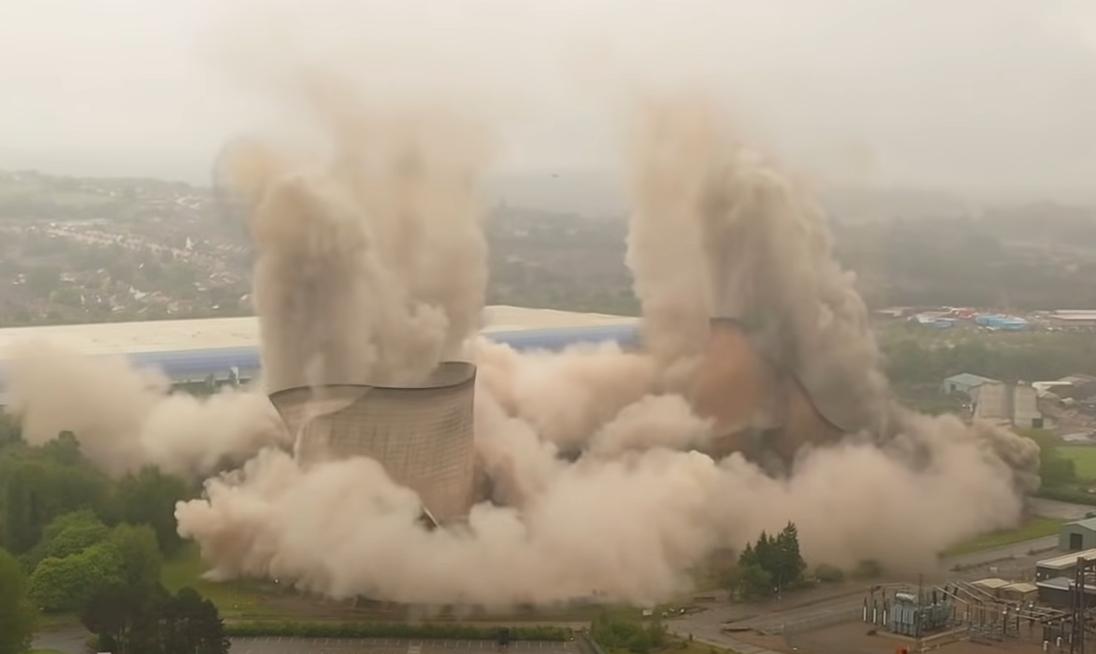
[
  {"x": 627, "y": 529},
  {"x": 125, "y": 417}
]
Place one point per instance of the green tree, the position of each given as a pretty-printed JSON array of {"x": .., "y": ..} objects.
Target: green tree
[
  {"x": 768, "y": 554},
  {"x": 789, "y": 565},
  {"x": 140, "y": 553},
  {"x": 10, "y": 433},
  {"x": 39, "y": 484},
  {"x": 17, "y": 615},
  {"x": 149, "y": 497},
  {"x": 147, "y": 620},
  {"x": 68, "y": 534},
  {"x": 64, "y": 449},
  {"x": 125, "y": 619},
  {"x": 1054, "y": 469},
  {"x": 61, "y": 584},
  {"x": 196, "y": 626},
  {"x": 751, "y": 581}
]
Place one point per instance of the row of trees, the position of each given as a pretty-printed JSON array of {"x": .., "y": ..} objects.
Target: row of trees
[
  {"x": 17, "y": 614},
  {"x": 918, "y": 358},
  {"x": 39, "y": 484},
  {"x": 73, "y": 539},
  {"x": 78, "y": 555},
  {"x": 769, "y": 566},
  {"x": 146, "y": 619}
]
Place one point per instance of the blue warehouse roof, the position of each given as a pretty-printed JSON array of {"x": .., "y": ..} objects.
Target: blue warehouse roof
[{"x": 196, "y": 364}]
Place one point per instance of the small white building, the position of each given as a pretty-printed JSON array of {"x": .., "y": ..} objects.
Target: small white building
[{"x": 966, "y": 383}]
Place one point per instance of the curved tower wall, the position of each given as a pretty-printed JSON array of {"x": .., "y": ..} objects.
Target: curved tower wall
[{"x": 422, "y": 435}]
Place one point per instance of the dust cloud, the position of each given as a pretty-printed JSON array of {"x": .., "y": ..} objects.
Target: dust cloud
[
  {"x": 604, "y": 478},
  {"x": 125, "y": 417},
  {"x": 371, "y": 254}
]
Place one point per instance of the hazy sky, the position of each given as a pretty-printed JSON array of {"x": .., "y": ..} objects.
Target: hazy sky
[{"x": 993, "y": 94}]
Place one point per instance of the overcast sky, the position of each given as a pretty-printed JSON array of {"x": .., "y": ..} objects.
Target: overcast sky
[{"x": 986, "y": 95}]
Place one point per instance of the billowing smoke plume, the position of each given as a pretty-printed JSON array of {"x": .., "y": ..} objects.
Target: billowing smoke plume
[
  {"x": 716, "y": 233},
  {"x": 372, "y": 261},
  {"x": 608, "y": 473},
  {"x": 124, "y": 418}
]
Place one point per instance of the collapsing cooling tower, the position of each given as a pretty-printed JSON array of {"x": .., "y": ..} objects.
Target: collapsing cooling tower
[
  {"x": 759, "y": 407},
  {"x": 421, "y": 434}
]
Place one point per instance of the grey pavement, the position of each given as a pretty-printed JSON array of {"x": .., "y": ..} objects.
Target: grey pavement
[
  {"x": 1023, "y": 548},
  {"x": 1056, "y": 509},
  {"x": 287, "y": 645},
  {"x": 68, "y": 639},
  {"x": 717, "y": 638}
]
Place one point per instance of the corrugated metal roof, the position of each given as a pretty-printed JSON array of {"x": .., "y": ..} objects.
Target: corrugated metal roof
[
  {"x": 1087, "y": 523},
  {"x": 1066, "y": 560},
  {"x": 1021, "y": 587},
  {"x": 992, "y": 583},
  {"x": 1057, "y": 583},
  {"x": 970, "y": 379}
]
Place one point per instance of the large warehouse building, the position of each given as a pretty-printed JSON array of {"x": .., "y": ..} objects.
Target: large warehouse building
[{"x": 195, "y": 350}]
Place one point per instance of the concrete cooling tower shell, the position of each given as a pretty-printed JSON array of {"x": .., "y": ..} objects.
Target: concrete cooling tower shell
[
  {"x": 422, "y": 434},
  {"x": 759, "y": 408}
]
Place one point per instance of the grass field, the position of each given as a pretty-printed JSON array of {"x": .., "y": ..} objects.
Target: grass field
[
  {"x": 1033, "y": 528},
  {"x": 262, "y": 601},
  {"x": 234, "y": 599},
  {"x": 1084, "y": 459}
]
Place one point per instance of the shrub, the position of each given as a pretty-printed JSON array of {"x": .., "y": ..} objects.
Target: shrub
[
  {"x": 867, "y": 569},
  {"x": 829, "y": 573}
]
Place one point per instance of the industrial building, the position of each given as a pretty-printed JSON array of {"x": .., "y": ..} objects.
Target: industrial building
[
  {"x": 966, "y": 383},
  {"x": 1058, "y": 592},
  {"x": 228, "y": 348},
  {"x": 1008, "y": 405},
  {"x": 1000, "y": 322},
  {"x": 1078, "y": 535},
  {"x": 1073, "y": 318},
  {"x": 1064, "y": 565}
]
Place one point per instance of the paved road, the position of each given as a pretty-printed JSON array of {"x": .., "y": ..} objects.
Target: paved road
[
  {"x": 276, "y": 645},
  {"x": 707, "y": 627},
  {"x": 1060, "y": 510},
  {"x": 69, "y": 639},
  {"x": 1023, "y": 548}
]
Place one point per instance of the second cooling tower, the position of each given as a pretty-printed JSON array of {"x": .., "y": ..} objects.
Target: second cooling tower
[{"x": 421, "y": 434}]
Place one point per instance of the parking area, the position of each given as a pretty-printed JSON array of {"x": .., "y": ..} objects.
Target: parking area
[{"x": 283, "y": 645}]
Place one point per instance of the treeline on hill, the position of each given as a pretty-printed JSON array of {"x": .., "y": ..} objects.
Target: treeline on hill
[
  {"x": 1008, "y": 357},
  {"x": 1028, "y": 258},
  {"x": 83, "y": 542}
]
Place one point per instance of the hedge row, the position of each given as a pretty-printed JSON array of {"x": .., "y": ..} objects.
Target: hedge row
[
  {"x": 392, "y": 630},
  {"x": 1066, "y": 494}
]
